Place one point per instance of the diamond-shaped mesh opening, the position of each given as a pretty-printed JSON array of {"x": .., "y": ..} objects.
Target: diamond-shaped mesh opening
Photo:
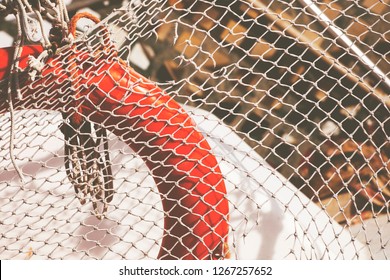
[{"x": 261, "y": 131}]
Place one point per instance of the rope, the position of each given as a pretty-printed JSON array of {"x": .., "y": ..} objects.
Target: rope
[
  {"x": 19, "y": 8},
  {"x": 13, "y": 85}
]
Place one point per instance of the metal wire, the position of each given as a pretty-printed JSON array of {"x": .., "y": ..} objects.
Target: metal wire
[{"x": 279, "y": 89}]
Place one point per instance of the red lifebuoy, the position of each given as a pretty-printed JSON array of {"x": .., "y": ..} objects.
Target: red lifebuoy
[{"x": 155, "y": 126}]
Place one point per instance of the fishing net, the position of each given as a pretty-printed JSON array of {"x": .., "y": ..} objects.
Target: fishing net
[{"x": 290, "y": 97}]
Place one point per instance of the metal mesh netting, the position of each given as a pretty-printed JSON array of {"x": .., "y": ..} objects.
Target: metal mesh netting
[{"x": 291, "y": 97}]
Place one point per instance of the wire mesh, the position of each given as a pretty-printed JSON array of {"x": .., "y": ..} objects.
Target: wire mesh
[{"x": 291, "y": 97}]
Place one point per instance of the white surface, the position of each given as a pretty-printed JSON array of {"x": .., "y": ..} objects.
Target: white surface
[
  {"x": 289, "y": 224},
  {"x": 45, "y": 218},
  {"x": 138, "y": 57},
  {"x": 6, "y": 40}
]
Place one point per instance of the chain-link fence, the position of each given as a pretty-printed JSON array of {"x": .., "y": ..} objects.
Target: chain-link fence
[{"x": 292, "y": 159}]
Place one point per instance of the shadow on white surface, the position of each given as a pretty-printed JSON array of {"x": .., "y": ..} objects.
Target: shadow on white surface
[{"x": 270, "y": 218}]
